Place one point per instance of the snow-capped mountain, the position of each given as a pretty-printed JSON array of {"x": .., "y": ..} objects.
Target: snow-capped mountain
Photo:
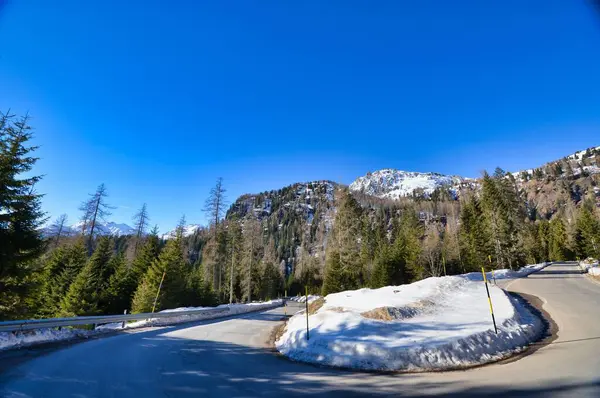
[
  {"x": 109, "y": 228},
  {"x": 393, "y": 184},
  {"x": 188, "y": 230}
]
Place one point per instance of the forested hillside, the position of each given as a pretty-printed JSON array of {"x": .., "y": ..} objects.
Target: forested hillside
[{"x": 319, "y": 235}]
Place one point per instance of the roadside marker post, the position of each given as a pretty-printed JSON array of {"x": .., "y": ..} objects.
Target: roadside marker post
[
  {"x": 489, "y": 299},
  {"x": 158, "y": 291},
  {"x": 285, "y": 304},
  {"x": 307, "y": 334}
]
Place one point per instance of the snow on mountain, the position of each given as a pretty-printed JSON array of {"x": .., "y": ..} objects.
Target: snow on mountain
[
  {"x": 393, "y": 184},
  {"x": 109, "y": 228},
  {"x": 188, "y": 230}
]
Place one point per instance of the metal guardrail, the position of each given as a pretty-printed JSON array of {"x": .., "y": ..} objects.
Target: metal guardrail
[{"x": 31, "y": 324}]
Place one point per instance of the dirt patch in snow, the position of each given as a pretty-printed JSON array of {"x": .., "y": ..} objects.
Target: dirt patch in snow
[
  {"x": 389, "y": 314},
  {"x": 315, "y": 306}
]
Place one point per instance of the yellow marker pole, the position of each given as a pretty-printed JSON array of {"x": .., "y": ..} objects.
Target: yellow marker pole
[
  {"x": 307, "y": 336},
  {"x": 158, "y": 292},
  {"x": 489, "y": 299}
]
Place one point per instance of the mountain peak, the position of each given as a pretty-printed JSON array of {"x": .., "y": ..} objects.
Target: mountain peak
[{"x": 393, "y": 183}]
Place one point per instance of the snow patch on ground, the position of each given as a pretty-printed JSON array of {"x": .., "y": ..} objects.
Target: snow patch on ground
[
  {"x": 10, "y": 340},
  {"x": 442, "y": 323},
  {"x": 588, "y": 265},
  {"x": 302, "y": 299},
  {"x": 501, "y": 274}
]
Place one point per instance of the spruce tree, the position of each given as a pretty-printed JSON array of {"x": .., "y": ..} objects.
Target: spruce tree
[
  {"x": 60, "y": 270},
  {"x": 344, "y": 270},
  {"x": 587, "y": 233},
  {"x": 171, "y": 264},
  {"x": 86, "y": 294},
  {"x": 558, "y": 250},
  {"x": 121, "y": 287},
  {"x": 20, "y": 216}
]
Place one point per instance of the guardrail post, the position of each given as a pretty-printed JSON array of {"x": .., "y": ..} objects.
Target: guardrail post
[{"x": 123, "y": 324}]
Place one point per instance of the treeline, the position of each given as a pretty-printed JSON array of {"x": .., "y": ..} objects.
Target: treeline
[{"x": 390, "y": 243}]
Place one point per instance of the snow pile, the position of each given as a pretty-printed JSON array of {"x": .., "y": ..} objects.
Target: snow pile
[
  {"x": 392, "y": 183},
  {"x": 12, "y": 340},
  {"x": 501, "y": 274},
  {"x": 590, "y": 265},
  {"x": 302, "y": 299},
  {"x": 434, "y": 324},
  {"x": 234, "y": 309}
]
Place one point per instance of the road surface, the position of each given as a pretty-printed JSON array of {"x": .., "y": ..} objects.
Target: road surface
[{"x": 230, "y": 358}]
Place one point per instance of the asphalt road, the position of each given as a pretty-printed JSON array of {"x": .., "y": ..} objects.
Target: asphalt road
[{"x": 230, "y": 358}]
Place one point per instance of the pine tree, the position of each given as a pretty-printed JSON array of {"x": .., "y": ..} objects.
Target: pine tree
[
  {"x": 333, "y": 280},
  {"x": 86, "y": 293},
  {"x": 473, "y": 235},
  {"x": 558, "y": 240},
  {"x": 121, "y": 287},
  {"x": 587, "y": 233},
  {"x": 407, "y": 247},
  {"x": 215, "y": 210},
  {"x": 171, "y": 264},
  {"x": 60, "y": 270},
  {"x": 345, "y": 269},
  {"x": 20, "y": 216},
  {"x": 250, "y": 276},
  {"x": 145, "y": 256}
]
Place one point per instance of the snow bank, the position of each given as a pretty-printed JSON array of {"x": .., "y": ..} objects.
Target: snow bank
[
  {"x": 234, "y": 309},
  {"x": 589, "y": 265},
  {"x": 436, "y": 324},
  {"x": 594, "y": 271},
  {"x": 302, "y": 299},
  {"x": 501, "y": 274},
  {"x": 12, "y": 340}
]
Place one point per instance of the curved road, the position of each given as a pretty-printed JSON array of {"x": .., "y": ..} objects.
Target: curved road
[{"x": 230, "y": 358}]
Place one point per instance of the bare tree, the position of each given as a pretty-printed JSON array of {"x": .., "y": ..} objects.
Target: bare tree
[
  {"x": 140, "y": 219},
  {"x": 58, "y": 228},
  {"x": 95, "y": 209},
  {"x": 216, "y": 203}
]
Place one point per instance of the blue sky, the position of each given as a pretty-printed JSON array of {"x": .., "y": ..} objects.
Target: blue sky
[{"x": 158, "y": 99}]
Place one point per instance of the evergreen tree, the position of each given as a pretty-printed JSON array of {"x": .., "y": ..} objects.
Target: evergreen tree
[
  {"x": 473, "y": 235},
  {"x": 121, "y": 287},
  {"x": 60, "y": 270},
  {"x": 345, "y": 269},
  {"x": 407, "y": 247},
  {"x": 20, "y": 217},
  {"x": 587, "y": 233},
  {"x": 173, "y": 292},
  {"x": 86, "y": 294},
  {"x": 557, "y": 247}
]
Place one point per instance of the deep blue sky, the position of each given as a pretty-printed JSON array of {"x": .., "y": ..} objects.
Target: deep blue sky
[{"x": 157, "y": 99}]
